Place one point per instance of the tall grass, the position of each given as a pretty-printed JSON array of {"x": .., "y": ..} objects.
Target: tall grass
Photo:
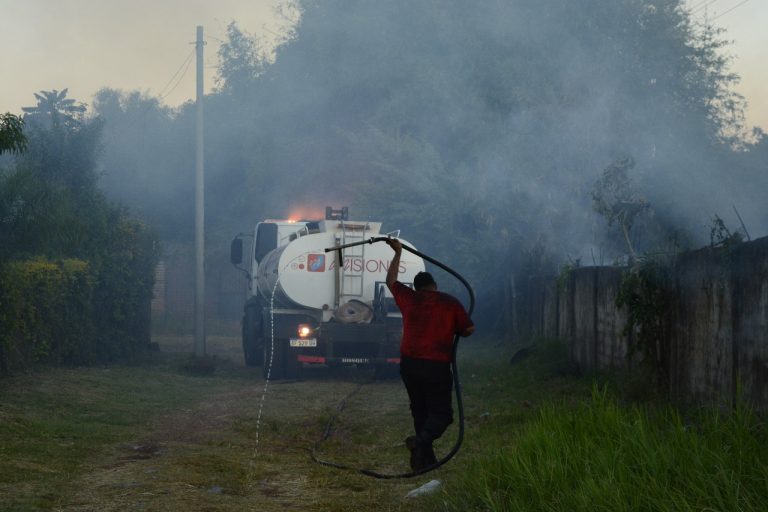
[{"x": 600, "y": 455}]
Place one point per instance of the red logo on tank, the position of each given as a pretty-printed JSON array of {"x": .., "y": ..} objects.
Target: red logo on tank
[{"x": 316, "y": 263}]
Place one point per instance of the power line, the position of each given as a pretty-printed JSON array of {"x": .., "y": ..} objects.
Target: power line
[
  {"x": 186, "y": 63},
  {"x": 162, "y": 94},
  {"x": 189, "y": 62},
  {"x": 697, "y": 4},
  {"x": 729, "y": 10},
  {"x": 703, "y": 5}
]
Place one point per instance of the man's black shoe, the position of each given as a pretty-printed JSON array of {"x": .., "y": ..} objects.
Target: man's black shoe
[
  {"x": 429, "y": 455},
  {"x": 413, "y": 443}
]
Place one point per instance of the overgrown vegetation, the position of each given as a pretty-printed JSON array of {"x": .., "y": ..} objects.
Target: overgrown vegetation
[
  {"x": 719, "y": 234},
  {"x": 46, "y": 312},
  {"x": 564, "y": 277},
  {"x": 616, "y": 199},
  {"x": 12, "y": 137},
  {"x": 599, "y": 455},
  {"x": 645, "y": 294},
  {"x": 76, "y": 271}
]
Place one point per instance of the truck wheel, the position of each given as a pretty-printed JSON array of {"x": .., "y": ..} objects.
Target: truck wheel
[
  {"x": 273, "y": 363},
  {"x": 284, "y": 365},
  {"x": 292, "y": 366},
  {"x": 253, "y": 352}
]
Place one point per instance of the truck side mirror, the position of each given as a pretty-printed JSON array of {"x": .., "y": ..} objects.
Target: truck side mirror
[{"x": 236, "y": 251}]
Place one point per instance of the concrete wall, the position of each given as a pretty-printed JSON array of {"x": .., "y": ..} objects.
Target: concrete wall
[
  {"x": 701, "y": 341},
  {"x": 714, "y": 347},
  {"x": 750, "y": 325}
]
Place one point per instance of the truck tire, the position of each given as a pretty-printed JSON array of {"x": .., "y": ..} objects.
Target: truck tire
[
  {"x": 386, "y": 371},
  {"x": 273, "y": 366},
  {"x": 253, "y": 343},
  {"x": 292, "y": 365},
  {"x": 284, "y": 365}
]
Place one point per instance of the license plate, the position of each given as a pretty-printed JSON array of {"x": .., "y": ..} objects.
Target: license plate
[
  {"x": 303, "y": 342},
  {"x": 354, "y": 360}
]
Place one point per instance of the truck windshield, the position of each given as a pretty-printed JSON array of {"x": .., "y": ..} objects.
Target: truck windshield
[{"x": 266, "y": 240}]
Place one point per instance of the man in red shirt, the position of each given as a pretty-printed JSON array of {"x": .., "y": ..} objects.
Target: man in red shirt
[{"x": 431, "y": 319}]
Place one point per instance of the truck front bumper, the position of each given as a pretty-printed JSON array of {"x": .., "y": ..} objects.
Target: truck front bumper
[{"x": 347, "y": 360}]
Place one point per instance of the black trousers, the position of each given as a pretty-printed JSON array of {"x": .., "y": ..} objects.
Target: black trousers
[{"x": 429, "y": 386}]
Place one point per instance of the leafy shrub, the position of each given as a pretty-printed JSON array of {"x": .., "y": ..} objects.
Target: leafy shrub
[
  {"x": 78, "y": 312},
  {"x": 44, "y": 310},
  {"x": 76, "y": 272}
]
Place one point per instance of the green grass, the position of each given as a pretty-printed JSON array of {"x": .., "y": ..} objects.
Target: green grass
[
  {"x": 538, "y": 438},
  {"x": 598, "y": 453},
  {"x": 69, "y": 439},
  {"x": 54, "y": 424}
]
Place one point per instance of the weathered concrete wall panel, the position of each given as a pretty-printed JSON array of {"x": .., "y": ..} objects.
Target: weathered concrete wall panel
[
  {"x": 565, "y": 308},
  {"x": 701, "y": 327},
  {"x": 549, "y": 309},
  {"x": 714, "y": 347},
  {"x": 750, "y": 325},
  {"x": 585, "y": 317},
  {"x": 610, "y": 342}
]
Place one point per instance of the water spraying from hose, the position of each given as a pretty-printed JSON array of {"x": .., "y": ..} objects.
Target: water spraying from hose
[
  {"x": 268, "y": 372},
  {"x": 269, "y": 365}
]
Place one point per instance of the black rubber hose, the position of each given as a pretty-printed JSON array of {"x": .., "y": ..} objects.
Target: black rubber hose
[{"x": 456, "y": 380}]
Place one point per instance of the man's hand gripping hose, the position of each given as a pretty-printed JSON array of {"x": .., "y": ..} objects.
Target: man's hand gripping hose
[{"x": 456, "y": 381}]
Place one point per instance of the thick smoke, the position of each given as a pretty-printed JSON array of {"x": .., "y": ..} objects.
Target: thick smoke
[{"x": 478, "y": 128}]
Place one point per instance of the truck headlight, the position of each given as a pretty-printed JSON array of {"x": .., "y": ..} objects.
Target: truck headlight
[{"x": 305, "y": 331}]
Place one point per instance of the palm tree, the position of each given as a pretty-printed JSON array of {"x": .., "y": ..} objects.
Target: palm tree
[{"x": 53, "y": 109}]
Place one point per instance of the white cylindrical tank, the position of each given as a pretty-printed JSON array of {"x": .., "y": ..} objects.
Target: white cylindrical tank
[{"x": 302, "y": 274}]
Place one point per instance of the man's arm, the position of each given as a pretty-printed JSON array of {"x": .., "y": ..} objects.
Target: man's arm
[
  {"x": 394, "y": 265},
  {"x": 464, "y": 325}
]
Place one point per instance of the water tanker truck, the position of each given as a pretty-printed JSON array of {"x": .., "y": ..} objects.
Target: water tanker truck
[{"x": 306, "y": 306}]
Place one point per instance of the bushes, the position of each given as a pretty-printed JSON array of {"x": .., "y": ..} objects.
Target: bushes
[
  {"x": 77, "y": 312},
  {"x": 43, "y": 311},
  {"x": 76, "y": 271},
  {"x": 123, "y": 292}
]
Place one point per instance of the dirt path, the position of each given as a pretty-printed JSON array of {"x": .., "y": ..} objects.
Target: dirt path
[{"x": 206, "y": 458}]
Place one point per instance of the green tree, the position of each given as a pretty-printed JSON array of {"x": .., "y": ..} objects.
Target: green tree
[
  {"x": 241, "y": 59},
  {"x": 54, "y": 109},
  {"x": 12, "y": 137},
  {"x": 616, "y": 199},
  {"x": 52, "y": 212},
  {"x": 66, "y": 143},
  {"x": 49, "y": 201}
]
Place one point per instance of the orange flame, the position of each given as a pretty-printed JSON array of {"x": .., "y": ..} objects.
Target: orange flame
[{"x": 305, "y": 212}]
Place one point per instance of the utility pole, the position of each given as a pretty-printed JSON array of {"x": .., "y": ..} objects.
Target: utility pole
[{"x": 199, "y": 207}]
